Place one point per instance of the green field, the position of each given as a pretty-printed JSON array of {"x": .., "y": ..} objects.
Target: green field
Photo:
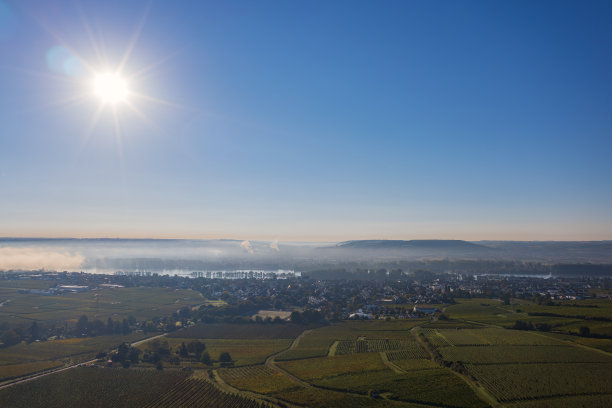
[{"x": 142, "y": 303}]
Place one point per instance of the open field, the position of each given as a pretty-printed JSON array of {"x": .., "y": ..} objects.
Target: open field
[{"x": 118, "y": 303}]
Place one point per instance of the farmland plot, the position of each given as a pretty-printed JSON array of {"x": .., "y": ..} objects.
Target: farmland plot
[
  {"x": 436, "y": 386},
  {"x": 523, "y": 354},
  {"x": 333, "y": 366},
  {"x": 510, "y": 382},
  {"x": 372, "y": 345},
  {"x": 260, "y": 379},
  {"x": 200, "y": 393},
  {"x": 92, "y": 387}
]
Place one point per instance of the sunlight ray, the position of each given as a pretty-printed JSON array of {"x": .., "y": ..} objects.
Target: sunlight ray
[{"x": 133, "y": 40}]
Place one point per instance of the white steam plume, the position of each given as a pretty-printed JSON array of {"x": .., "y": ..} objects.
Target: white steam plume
[
  {"x": 38, "y": 258},
  {"x": 246, "y": 245}
]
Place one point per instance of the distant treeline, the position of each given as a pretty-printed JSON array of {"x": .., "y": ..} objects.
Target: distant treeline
[{"x": 427, "y": 269}]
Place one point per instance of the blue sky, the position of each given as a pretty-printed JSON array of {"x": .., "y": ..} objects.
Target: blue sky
[{"x": 317, "y": 120}]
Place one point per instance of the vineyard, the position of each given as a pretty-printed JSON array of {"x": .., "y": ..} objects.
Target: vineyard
[
  {"x": 435, "y": 338},
  {"x": 241, "y": 331},
  {"x": 465, "y": 337},
  {"x": 316, "y": 343},
  {"x": 92, "y": 387},
  {"x": 260, "y": 379},
  {"x": 580, "y": 401},
  {"x": 510, "y": 382},
  {"x": 17, "y": 370},
  {"x": 414, "y": 351},
  {"x": 523, "y": 354},
  {"x": 202, "y": 393},
  {"x": 486, "y": 337},
  {"x": 320, "y": 398},
  {"x": 435, "y": 386},
  {"x": 410, "y": 364},
  {"x": 368, "y": 346},
  {"x": 333, "y": 366}
]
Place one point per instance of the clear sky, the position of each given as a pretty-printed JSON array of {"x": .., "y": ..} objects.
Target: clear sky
[{"x": 309, "y": 120}]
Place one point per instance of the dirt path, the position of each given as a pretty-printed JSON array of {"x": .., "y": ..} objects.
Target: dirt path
[
  {"x": 391, "y": 365},
  {"x": 270, "y": 363},
  {"x": 477, "y": 388},
  {"x": 223, "y": 386}
]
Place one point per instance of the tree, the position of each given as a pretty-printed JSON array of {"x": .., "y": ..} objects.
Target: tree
[
  {"x": 196, "y": 347},
  {"x": 585, "y": 331},
  {"x": 110, "y": 326},
  {"x": 10, "y": 337},
  {"x": 34, "y": 332},
  {"x": 206, "y": 359},
  {"x": 182, "y": 350},
  {"x": 296, "y": 317},
  {"x": 82, "y": 325},
  {"x": 125, "y": 326},
  {"x": 133, "y": 355},
  {"x": 225, "y": 357}
]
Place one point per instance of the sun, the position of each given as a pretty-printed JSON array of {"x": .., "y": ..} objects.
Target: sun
[{"x": 111, "y": 88}]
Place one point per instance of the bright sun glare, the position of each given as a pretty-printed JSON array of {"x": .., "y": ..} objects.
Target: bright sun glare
[{"x": 110, "y": 88}]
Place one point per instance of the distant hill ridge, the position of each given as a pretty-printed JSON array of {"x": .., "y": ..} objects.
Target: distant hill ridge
[{"x": 412, "y": 244}]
